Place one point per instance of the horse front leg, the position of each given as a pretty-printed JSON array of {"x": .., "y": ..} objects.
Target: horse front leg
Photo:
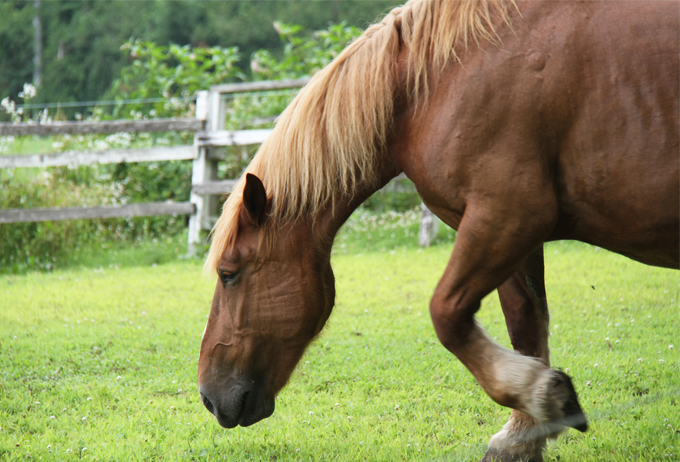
[
  {"x": 489, "y": 251},
  {"x": 525, "y": 306}
]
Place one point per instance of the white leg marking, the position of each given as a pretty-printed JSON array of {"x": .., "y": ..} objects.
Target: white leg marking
[{"x": 509, "y": 377}]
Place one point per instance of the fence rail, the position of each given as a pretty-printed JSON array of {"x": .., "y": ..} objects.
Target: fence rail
[
  {"x": 112, "y": 156},
  {"x": 104, "y": 211},
  {"x": 231, "y": 138},
  {"x": 108, "y": 126}
]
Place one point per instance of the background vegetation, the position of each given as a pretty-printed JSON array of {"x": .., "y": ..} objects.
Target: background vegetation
[{"x": 82, "y": 38}]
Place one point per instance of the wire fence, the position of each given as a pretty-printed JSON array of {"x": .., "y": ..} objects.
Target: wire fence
[{"x": 123, "y": 102}]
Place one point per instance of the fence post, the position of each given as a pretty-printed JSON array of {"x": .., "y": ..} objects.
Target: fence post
[
  {"x": 198, "y": 175},
  {"x": 429, "y": 225}
]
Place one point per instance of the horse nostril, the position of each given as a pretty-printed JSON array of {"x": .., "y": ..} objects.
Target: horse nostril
[{"x": 208, "y": 405}]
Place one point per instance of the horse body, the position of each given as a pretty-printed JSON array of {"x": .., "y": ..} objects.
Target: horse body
[
  {"x": 575, "y": 121},
  {"x": 560, "y": 122}
]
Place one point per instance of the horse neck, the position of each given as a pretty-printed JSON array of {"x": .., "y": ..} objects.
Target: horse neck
[{"x": 336, "y": 214}]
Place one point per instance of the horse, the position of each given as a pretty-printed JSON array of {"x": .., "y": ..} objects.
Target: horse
[{"x": 520, "y": 123}]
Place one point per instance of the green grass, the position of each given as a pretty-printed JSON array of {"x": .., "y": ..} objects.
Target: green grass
[
  {"x": 28, "y": 145},
  {"x": 105, "y": 359}
]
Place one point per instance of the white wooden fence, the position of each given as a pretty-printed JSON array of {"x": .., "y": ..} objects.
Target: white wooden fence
[{"x": 208, "y": 126}]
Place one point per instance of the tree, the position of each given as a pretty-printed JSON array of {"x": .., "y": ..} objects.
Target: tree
[{"x": 82, "y": 38}]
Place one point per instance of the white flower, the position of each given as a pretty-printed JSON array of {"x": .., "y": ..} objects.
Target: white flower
[
  {"x": 28, "y": 92},
  {"x": 396, "y": 408},
  {"x": 670, "y": 347},
  {"x": 661, "y": 361},
  {"x": 639, "y": 360}
]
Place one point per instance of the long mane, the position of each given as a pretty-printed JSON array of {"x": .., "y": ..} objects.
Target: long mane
[{"x": 332, "y": 135}]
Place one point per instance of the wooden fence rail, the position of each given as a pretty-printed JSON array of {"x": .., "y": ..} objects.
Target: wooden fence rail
[
  {"x": 112, "y": 156},
  {"x": 104, "y": 211},
  {"x": 107, "y": 126}
]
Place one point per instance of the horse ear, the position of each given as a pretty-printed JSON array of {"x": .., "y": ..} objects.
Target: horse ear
[{"x": 255, "y": 200}]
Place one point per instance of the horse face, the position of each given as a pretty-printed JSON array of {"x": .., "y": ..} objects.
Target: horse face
[{"x": 267, "y": 308}]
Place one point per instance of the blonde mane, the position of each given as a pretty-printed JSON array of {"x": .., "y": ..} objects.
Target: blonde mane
[{"x": 332, "y": 135}]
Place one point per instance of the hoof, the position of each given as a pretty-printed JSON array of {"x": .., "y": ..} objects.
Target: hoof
[
  {"x": 500, "y": 455},
  {"x": 562, "y": 390}
]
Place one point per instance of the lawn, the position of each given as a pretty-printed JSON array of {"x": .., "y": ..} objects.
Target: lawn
[{"x": 100, "y": 364}]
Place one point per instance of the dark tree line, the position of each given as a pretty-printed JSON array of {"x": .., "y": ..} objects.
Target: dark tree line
[{"x": 81, "y": 39}]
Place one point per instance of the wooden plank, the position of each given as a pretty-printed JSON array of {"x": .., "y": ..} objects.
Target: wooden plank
[
  {"x": 232, "y": 137},
  {"x": 106, "y": 211},
  {"x": 263, "y": 85},
  {"x": 213, "y": 187},
  {"x": 112, "y": 156},
  {"x": 107, "y": 126}
]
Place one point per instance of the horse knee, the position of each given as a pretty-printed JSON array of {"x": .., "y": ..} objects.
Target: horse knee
[{"x": 453, "y": 322}]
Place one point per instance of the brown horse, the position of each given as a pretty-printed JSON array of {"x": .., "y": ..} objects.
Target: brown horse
[{"x": 519, "y": 123}]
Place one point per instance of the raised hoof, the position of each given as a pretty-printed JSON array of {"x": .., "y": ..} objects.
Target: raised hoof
[
  {"x": 500, "y": 455},
  {"x": 572, "y": 413}
]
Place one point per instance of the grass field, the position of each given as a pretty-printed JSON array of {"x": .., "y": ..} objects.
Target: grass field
[{"x": 100, "y": 364}]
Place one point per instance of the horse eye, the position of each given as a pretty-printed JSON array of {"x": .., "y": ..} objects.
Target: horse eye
[{"x": 227, "y": 277}]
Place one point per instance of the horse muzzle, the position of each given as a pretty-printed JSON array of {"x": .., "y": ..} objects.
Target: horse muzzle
[{"x": 239, "y": 402}]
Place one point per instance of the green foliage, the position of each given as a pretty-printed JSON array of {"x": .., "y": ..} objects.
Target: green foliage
[
  {"x": 303, "y": 54},
  {"x": 16, "y": 48},
  {"x": 101, "y": 365},
  {"x": 171, "y": 72},
  {"x": 81, "y": 38}
]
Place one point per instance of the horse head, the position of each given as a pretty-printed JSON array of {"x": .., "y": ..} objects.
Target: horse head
[{"x": 269, "y": 304}]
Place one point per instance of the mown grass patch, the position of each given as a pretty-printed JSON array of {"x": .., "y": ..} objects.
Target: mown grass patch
[{"x": 100, "y": 364}]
